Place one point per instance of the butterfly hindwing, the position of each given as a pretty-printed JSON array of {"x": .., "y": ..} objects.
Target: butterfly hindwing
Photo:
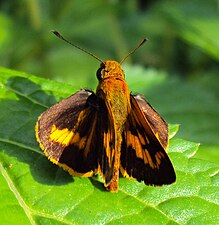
[
  {"x": 67, "y": 132},
  {"x": 142, "y": 153}
]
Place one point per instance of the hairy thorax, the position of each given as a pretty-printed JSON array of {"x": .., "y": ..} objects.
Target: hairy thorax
[{"x": 115, "y": 91}]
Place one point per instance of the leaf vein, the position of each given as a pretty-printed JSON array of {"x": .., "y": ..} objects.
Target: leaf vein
[{"x": 26, "y": 209}]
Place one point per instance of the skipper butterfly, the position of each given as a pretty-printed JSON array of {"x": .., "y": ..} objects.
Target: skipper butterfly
[{"x": 107, "y": 132}]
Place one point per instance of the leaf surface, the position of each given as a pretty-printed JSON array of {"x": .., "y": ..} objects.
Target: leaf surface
[{"x": 35, "y": 191}]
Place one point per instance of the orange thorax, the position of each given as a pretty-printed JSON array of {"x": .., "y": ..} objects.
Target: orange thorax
[{"x": 114, "y": 90}]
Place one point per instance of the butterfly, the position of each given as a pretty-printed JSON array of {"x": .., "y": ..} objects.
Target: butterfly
[{"x": 109, "y": 132}]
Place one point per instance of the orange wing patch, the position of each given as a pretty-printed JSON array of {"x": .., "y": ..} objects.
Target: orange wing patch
[{"x": 62, "y": 137}]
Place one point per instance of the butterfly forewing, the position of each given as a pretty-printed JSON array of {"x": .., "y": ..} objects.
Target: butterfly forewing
[
  {"x": 78, "y": 134},
  {"x": 142, "y": 154},
  {"x": 67, "y": 135}
]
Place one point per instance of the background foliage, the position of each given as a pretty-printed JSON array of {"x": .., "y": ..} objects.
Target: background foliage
[{"x": 177, "y": 70}]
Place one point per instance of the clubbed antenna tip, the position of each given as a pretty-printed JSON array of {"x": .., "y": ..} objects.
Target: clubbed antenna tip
[{"x": 138, "y": 46}]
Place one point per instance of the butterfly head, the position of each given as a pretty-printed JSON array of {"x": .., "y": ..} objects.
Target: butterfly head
[{"x": 108, "y": 69}]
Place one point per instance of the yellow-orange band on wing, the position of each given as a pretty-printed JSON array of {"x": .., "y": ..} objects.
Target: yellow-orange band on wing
[{"x": 62, "y": 137}]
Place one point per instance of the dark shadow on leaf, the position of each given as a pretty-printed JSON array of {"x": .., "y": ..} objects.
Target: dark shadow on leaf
[
  {"x": 99, "y": 185},
  {"x": 26, "y": 87}
]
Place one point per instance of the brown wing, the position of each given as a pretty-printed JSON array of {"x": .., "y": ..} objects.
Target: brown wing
[
  {"x": 78, "y": 135},
  {"x": 67, "y": 133},
  {"x": 157, "y": 123},
  {"x": 142, "y": 153}
]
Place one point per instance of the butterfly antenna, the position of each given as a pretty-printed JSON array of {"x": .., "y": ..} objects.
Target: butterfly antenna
[
  {"x": 62, "y": 38},
  {"x": 138, "y": 46}
]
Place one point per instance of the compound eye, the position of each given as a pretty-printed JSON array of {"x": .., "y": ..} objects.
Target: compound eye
[{"x": 99, "y": 73}]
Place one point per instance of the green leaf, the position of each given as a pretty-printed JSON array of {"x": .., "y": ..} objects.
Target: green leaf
[
  {"x": 173, "y": 129},
  {"x": 35, "y": 191},
  {"x": 13, "y": 211}
]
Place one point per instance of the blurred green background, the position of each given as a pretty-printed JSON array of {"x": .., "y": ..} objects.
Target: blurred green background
[{"x": 177, "y": 70}]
